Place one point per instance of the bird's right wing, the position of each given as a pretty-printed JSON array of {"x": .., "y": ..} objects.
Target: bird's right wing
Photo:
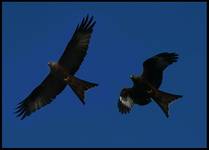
[
  {"x": 40, "y": 96},
  {"x": 154, "y": 66},
  {"x": 77, "y": 47}
]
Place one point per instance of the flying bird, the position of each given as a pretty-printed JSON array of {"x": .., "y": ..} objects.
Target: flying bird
[
  {"x": 62, "y": 73},
  {"x": 146, "y": 86}
]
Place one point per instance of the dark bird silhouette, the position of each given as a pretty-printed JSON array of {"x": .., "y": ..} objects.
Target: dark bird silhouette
[
  {"x": 146, "y": 86},
  {"x": 62, "y": 72}
]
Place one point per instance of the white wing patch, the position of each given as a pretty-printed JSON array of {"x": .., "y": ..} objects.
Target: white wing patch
[{"x": 128, "y": 102}]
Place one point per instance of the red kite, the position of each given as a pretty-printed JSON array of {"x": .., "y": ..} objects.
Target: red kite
[
  {"x": 146, "y": 86},
  {"x": 62, "y": 72}
]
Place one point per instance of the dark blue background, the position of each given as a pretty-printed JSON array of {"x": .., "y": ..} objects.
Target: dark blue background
[{"x": 125, "y": 35}]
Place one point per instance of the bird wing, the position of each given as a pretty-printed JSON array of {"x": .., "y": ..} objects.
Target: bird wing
[
  {"x": 122, "y": 108},
  {"x": 77, "y": 47},
  {"x": 154, "y": 66},
  {"x": 40, "y": 96}
]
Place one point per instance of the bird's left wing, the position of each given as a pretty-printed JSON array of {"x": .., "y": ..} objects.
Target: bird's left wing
[
  {"x": 40, "y": 96},
  {"x": 153, "y": 67},
  {"x": 123, "y": 108},
  {"x": 77, "y": 47}
]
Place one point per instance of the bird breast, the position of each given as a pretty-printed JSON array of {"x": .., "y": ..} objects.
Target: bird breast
[{"x": 59, "y": 71}]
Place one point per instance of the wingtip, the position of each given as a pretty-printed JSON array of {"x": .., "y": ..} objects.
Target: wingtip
[
  {"x": 19, "y": 111},
  {"x": 95, "y": 84},
  {"x": 23, "y": 117},
  {"x": 179, "y": 96},
  {"x": 123, "y": 109},
  {"x": 93, "y": 24},
  {"x": 87, "y": 15},
  {"x": 92, "y": 17},
  {"x": 83, "y": 102}
]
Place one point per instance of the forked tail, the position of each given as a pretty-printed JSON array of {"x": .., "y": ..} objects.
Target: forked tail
[
  {"x": 79, "y": 86},
  {"x": 163, "y": 99}
]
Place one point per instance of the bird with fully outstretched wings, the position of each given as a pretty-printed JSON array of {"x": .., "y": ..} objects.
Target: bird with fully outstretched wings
[
  {"x": 62, "y": 72},
  {"x": 146, "y": 86}
]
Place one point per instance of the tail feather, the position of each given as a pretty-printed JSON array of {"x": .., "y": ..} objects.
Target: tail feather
[
  {"x": 79, "y": 86},
  {"x": 163, "y": 99}
]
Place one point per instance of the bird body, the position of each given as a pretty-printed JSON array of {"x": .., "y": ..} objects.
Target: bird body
[
  {"x": 146, "y": 86},
  {"x": 58, "y": 71}
]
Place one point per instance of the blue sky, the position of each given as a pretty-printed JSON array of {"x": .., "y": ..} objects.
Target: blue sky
[{"x": 124, "y": 36}]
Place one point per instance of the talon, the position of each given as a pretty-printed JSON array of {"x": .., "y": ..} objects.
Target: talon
[
  {"x": 149, "y": 91},
  {"x": 66, "y": 79}
]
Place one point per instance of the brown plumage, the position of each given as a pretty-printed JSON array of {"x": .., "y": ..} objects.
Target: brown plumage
[
  {"x": 146, "y": 86},
  {"x": 62, "y": 72}
]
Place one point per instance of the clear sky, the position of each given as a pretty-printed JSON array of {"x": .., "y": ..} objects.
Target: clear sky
[{"x": 124, "y": 36}]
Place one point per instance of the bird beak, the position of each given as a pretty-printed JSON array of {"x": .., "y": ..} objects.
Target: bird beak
[{"x": 131, "y": 76}]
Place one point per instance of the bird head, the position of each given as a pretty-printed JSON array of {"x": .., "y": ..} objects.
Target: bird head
[
  {"x": 125, "y": 102},
  {"x": 51, "y": 64},
  {"x": 132, "y": 77}
]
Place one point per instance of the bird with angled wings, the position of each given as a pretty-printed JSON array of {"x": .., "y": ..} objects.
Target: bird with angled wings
[
  {"x": 62, "y": 73},
  {"x": 146, "y": 86}
]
